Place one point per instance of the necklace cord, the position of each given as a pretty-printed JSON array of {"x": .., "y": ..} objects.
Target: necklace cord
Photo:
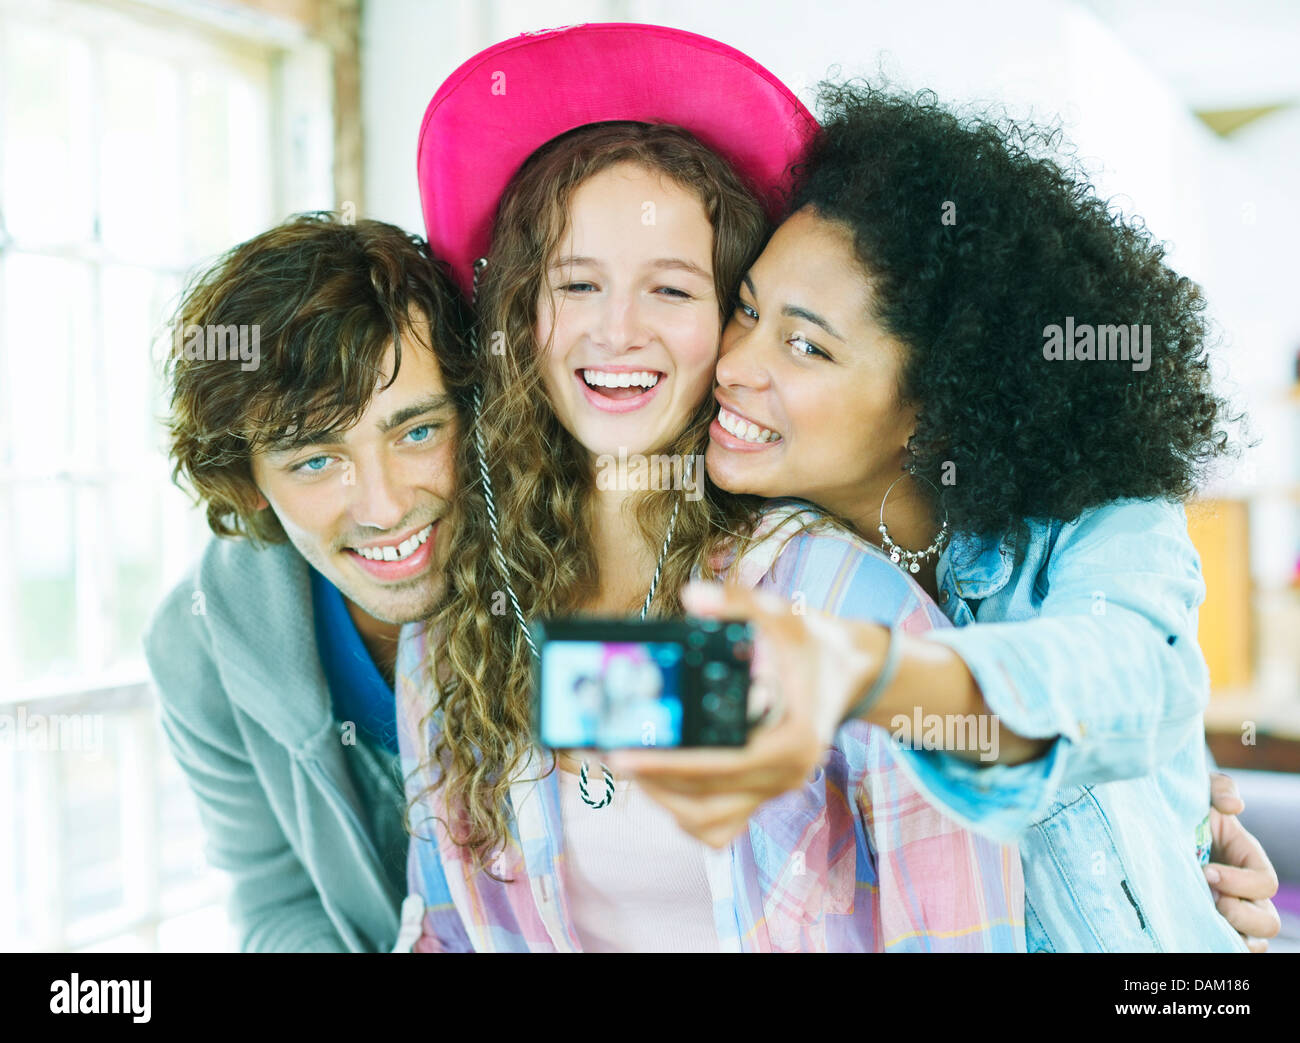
[{"x": 499, "y": 557}]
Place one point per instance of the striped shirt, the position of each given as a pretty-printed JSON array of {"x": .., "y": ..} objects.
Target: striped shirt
[{"x": 855, "y": 860}]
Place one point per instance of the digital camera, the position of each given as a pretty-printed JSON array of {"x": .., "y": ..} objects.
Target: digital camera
[{"x": 606, "y": 684}]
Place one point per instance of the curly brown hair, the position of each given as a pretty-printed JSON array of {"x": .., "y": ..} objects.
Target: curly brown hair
[
  {"x": 479, "y": 664},
  {"x": 327, "y": 297}
]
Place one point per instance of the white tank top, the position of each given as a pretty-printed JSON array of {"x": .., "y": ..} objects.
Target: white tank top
[{"x": 635, "y": 882}]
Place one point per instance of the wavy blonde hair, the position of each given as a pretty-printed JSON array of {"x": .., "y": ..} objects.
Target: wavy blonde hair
[{"x": 479, "y": 671}]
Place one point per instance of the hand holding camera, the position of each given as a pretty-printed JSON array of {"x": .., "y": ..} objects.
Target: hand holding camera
[{"x": 808, "y": 668}]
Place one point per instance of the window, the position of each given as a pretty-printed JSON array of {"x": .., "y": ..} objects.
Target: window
[{"x": 136, "y": 142}]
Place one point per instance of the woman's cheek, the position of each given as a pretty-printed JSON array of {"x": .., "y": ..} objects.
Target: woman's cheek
[
  {"x": 701, "y": 378},
  {"x": 701, "y": 360},
  {"x": 552, "y": 360}
]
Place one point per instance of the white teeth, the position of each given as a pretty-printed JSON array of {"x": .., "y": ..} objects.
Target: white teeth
[
  {"x": 601, "y": 379},
  {"x": 745, "y": 429},
  {"x": 403, "y": 550}
]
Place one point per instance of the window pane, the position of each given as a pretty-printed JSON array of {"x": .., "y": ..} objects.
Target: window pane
[
  {"x": 140, "y": 188},
  {"x": 228, "y": 174},
  {"x": 48, "y": 192},
  {"x": 134, "y": 520},
  {"x": 46, "y": 620},
  {"x": 46, "y": 315},
  {"x": 92, "y": 833},
  {"x": 249, "y": 140},
  {"x": 134, "y": 304},
  {"x": 207, "y": 172}
]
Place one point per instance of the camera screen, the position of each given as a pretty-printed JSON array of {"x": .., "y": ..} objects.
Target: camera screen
[{"x": 607, "y": 694}]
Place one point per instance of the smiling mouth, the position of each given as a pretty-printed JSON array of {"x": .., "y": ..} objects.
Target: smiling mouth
[
  {"x": 746, "y": 430},
  {"x": 621, "y": 385},
  {"x": 399, "y": 561},
  {"x": 395, "y": 551}
]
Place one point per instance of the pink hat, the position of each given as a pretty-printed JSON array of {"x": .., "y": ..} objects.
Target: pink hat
[{"x": 504, "y": 103}]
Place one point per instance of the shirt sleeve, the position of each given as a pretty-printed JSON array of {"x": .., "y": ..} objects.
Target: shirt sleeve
[
  {"x": 429, "y": 895},
  {"x": 1110, "y": 670},
  {"x": 940, "y": 887},
  {"x": 274, "y": 904}
]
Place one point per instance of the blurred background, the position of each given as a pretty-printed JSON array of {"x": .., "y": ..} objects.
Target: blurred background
[{"x": 140, "y": 138}]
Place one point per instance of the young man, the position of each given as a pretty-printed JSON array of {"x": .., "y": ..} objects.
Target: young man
[{"x": 327, "y": 467}]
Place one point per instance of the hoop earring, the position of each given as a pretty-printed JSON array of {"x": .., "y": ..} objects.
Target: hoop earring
[{"x": 911, "y": 559}]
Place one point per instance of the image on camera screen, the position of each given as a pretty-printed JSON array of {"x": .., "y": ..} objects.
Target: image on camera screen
[{"x": 607, "y": 694}]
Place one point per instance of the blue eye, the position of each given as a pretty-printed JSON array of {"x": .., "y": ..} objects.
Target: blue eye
[
  {"x": 673, "y": 291},
  {"x": 315, "y": 465},
  {"x": 746, "y": 311},
  {"x": 575, "y": 287},
  {"x": 420, "y": 434}
]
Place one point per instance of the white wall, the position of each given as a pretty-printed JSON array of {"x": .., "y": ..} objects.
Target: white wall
[{"x": 408, "y": 48}]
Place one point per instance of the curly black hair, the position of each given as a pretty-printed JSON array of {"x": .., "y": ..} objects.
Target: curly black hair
[{"x": 976, "y": 237}]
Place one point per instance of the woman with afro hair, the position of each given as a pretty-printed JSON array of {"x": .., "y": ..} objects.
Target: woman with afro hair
[{"x": 957, "y": 348}]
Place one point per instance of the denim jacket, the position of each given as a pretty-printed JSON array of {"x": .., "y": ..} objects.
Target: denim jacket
[{"x": 1089, "y": 637}]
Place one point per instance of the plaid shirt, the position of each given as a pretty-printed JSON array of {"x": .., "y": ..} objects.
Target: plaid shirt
[{"x": 856, "y": 860}]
